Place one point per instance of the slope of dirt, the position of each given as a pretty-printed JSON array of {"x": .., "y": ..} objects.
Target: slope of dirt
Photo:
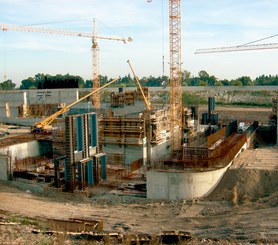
[{"x": 241, "y": 185}]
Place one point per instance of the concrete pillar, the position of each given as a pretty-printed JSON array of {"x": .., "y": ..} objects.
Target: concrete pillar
[
  {"x": 8, "y": 110},
  {"x": 24, "y": 98},
  {"x": 77, "y": 94},
  {"x": 25, "y": 105}
]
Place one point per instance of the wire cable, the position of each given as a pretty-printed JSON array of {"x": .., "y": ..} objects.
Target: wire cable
[{"x": 258, "y": 40}]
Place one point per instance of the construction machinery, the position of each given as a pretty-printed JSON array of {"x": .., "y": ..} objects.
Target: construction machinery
[
  {"x": 46, "y": 124},
  {"x": 95, "y": 47},
  {"x": 175, "y": 78}
]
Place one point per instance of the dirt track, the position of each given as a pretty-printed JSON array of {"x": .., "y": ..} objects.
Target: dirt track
[{"x": 243, "y": 208}]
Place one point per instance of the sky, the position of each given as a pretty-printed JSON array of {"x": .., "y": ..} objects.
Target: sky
[{"x": 204, "y": 24}]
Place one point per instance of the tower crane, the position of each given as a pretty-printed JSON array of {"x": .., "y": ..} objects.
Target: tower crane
[
  {"x": 237, "y": 48},
  {"x": 175, "y": 78},
  {"x": 95, "y": 47}
]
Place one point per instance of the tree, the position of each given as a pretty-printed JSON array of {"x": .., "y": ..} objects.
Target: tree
[
  {"x": 203, "y": 75},
  {"x": 246, "y": 81},
  {"x": 7, "y": 85},
  {"x": 39, "y": 80},
  {"x": 28, "y": 83},
  {"x": 186, "y": 75},
  {"x": 236, "y": 83}
]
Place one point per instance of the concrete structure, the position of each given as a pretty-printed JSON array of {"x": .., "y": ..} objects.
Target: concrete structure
[
  {"x": 9, "y": 154},
  {"x": 176, "y": 185},
  {"x": 202, "y": 168},
  {"x": 5, "y": 167}
]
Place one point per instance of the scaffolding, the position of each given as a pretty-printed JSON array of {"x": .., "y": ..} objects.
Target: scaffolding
[
  {"x": 122, "y": 98},
  {"x": 129, "y": 130}
]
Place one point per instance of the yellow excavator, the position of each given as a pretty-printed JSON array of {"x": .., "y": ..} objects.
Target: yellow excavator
[{"x": 46, "y": 124}]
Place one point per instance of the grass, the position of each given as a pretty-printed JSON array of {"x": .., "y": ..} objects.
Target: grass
[{"x": 22, "y": 220}]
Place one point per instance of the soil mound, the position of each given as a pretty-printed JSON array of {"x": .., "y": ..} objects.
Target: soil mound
[{"x": 242, "y": 185}]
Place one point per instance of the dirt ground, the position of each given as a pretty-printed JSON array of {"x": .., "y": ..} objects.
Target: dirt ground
[
  {"x": 241, "y": 114},
  {"x": 242, "y": 209}
]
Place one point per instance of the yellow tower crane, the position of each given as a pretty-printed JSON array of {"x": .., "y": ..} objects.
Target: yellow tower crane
[
  {"x": 95, "y": 47},
  {"x": 175, "y": 78}
]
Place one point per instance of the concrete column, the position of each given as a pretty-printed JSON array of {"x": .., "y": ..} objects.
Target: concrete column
[
  {"x": 77, "y": 94},
  {"x": 24, "y": 98},
  {"x": 25, "y": 105},
  {"x": 8, "y": 110}
]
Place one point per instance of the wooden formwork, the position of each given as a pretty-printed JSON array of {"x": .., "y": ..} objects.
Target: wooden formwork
[{"x": 122, "y": 130}]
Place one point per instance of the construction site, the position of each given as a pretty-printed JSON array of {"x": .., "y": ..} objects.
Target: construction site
[{"x": 128, "y": 171}]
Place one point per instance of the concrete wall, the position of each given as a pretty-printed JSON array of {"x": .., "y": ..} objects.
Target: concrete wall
[
  {"x": 182, "y": 185},
  {"x": 131, "y": 152},
  {"x": 4, "y": 167},
  {"x": 160, "y": 150},
  {"x": 21, "y": 151},
  {"x": 15, "y": 98}
]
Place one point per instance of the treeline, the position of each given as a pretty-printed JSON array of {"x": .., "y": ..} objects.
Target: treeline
[{"x": 42, "y": 81}]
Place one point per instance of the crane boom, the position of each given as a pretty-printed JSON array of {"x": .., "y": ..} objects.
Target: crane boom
[
  {"x": 237, "y": 48},
  {"x": 46, "y": 123},
  {"x": 147, "y": 103},
  {"x": 147, "y": 116},
  {"x": 23, "y": 28}
]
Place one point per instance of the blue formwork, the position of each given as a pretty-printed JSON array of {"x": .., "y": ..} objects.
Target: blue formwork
[
  {"x": 90, "y": 173},
  {"x": 79, "y": 169},
  {"x": 205, "y": 119},
  {"x": 211, "y": 104},
  {"x": 93, "y": 129},
  {"x": 79, "y": 134},
  {"x": 103, "y": 167}
]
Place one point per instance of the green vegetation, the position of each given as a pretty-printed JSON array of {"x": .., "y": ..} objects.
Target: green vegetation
[
  {"x": 203, "y": 79},
  {"x": 22, "y": 220},
  {"x": 7, "y": 85},
  {"x": 193, "y": 99}
]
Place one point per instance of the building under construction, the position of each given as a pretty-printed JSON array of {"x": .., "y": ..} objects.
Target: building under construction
[{"x": 85, "y": 149}]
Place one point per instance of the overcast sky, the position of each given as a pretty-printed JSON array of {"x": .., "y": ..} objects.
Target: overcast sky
[{"x": 205, "y": 24}]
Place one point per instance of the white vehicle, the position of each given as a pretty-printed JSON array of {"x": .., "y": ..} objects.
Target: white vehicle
[{"x": 241, "y": 127}]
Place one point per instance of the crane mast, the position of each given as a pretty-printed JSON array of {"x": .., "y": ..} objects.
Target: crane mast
[
  {"x": 95, "y": 58},
  {"x": 175, "y": 78}
]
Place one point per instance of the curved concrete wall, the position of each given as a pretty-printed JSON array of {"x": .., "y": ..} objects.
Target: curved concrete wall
[{"x": 182, "y": 185}]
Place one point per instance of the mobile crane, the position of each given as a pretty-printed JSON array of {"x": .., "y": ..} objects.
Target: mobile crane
[
  {"x": 46, "y": 124},
  {"x": 147, "y": 116}
]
